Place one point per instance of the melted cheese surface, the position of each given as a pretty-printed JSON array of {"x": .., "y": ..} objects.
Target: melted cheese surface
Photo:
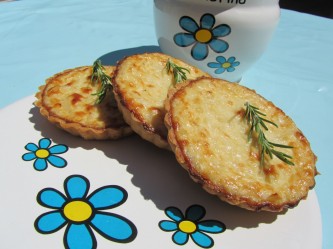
[
  {"x": 67, "y": 99},
  {"x": 142, "y": 83},
  {"x": 210, "y": 135}
]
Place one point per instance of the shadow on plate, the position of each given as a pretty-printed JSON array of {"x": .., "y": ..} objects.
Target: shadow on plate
[
  {"x": 155, "y": 171},
  {"x": 158, "y": 175}
]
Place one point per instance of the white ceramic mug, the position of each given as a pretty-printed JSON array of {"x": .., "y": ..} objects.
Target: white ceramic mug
[{"x": 222, "y": 37}]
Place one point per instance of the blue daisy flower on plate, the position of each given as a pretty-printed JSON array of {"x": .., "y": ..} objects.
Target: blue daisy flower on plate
[
  {"x": 45, "y": 154},
  {"x": 202, "y": 36},
  {"x": 82, "y": 213},
  {"x": 222, "y": 64},
  {"x": 191, "y": 226}
]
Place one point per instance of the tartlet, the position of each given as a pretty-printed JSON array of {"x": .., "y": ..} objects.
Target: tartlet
[
  {"x": 67, "y": 101},
  {"x": 141, "y": 83},
  {"x": 209, "y": 136}
]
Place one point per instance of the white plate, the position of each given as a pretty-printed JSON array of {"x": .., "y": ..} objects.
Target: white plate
[{"x": 152, "y": 181}]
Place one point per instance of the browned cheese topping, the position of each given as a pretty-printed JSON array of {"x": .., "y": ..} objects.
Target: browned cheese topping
[
  {"x": 67, "y": 100},
  {"x": 141, "y": 84},
  {"x": 209, "y": 136}
]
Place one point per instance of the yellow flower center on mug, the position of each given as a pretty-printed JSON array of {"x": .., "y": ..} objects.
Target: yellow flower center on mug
[
  {"x": 203, "y": 35},
  {"x": 77, "y": 211},
  {"x": 42, "y": 153},
  {"x": 226, "y": 65},
  {"x": 187, "y": 226}
]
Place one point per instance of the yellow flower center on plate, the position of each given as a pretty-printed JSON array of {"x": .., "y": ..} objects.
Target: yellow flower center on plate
[
  {"x": 77, "y": 211},
  {"x": 42, "y": 153},
  {"x": 187, "y": 226},
  {"x": 226, "y": 65},
  {"x": 203, "y": 35}
]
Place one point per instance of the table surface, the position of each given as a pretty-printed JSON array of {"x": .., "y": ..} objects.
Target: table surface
[{"x": 41, "y": 38}]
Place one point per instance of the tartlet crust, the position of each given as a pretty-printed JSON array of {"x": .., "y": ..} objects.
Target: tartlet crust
[
  {"x": 208, "y": 134},
  {"x": 66, "y": 100},
  {"x": 141, "y": 83}
]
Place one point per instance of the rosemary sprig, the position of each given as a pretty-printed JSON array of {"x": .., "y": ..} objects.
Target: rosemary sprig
[
  {"x": 179, "y": 73},
  {"x": 100, "y": 77},
  {"x": 255, "y": 118}
]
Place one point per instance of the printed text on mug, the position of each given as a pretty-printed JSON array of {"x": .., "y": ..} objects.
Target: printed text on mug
[{"x": 229, "y": 1}]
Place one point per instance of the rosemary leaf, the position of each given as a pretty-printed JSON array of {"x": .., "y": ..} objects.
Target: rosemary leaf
[
  {"x": 100, "y": 77},
  {"x": 257, "y": 124},
  {"x": 179, "y": 73}
]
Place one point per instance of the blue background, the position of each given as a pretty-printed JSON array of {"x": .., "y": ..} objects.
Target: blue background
[{"x": 41, "y": 38}]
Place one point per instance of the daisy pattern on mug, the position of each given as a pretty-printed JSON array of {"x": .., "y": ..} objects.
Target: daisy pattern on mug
[
  {"x": 202, "y": 36},
  {"x": 224, "y": 65}
]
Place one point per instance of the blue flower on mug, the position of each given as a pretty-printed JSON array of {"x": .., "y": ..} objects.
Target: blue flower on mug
[
  {"x": 82, "y": 213},
  {"x": 203, "y": 36},
  {"x": 43, "y": 154},
  {"x": 222, "y": 64},
  {"x": 191, "y": 226}
]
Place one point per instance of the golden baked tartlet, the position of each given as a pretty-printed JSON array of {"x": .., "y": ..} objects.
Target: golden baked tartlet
[
  {"x": 209, "y": 136},
  {"x": 141, "y": 83},
  {"x": 67, "y": 101}
]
